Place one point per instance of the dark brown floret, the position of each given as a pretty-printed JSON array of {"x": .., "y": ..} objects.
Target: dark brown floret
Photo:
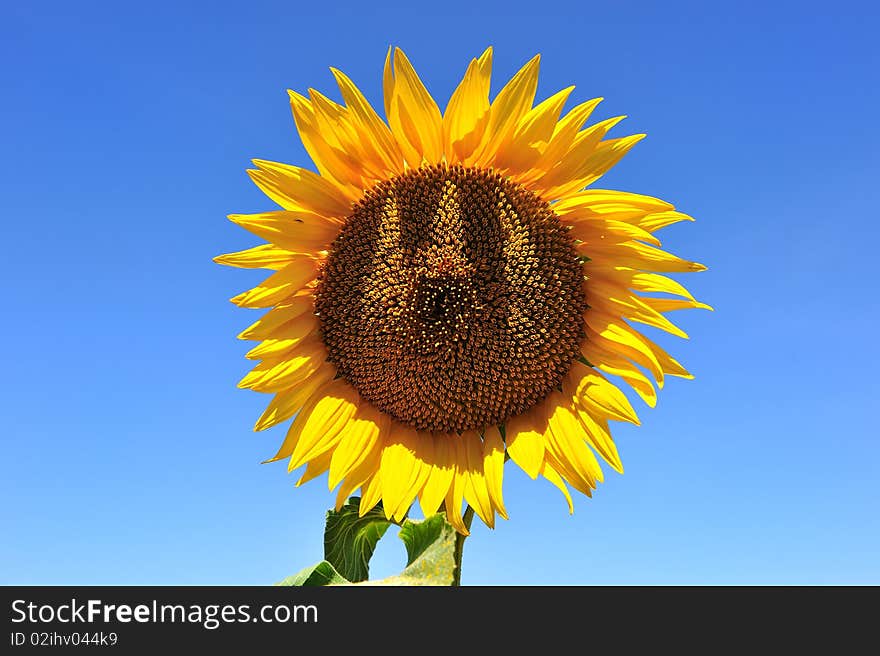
[{"x": 452, "y": 298}]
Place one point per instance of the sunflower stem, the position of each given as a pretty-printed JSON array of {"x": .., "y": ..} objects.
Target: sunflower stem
[{"x": 459, "y": 546}]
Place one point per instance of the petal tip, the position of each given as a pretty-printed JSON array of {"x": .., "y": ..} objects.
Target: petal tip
[{"x": 400, "y": 56}]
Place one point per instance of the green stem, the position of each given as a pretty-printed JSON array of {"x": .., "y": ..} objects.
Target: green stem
[{"x": 459, "y": 547}]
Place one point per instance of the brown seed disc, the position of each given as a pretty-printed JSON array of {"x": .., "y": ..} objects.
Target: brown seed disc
[{"x": 452, "y": 298}]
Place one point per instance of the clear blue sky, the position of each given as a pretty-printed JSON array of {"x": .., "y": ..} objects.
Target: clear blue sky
[{"x": 128, "y": 455}]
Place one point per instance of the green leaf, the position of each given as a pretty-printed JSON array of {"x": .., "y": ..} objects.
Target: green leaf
[
  {"x": 419, "y": 536},
  {"x": 430, "y": 550},
  {"x": 349, "y": 540},
  {"x": 321, "y": 574}
]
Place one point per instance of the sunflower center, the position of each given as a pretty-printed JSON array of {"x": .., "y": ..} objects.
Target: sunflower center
[{"x": 452, "y": 299}]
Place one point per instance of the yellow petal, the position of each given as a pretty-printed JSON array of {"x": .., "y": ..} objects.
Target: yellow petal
[
  {"x": 322, "y": 134},
  {"x": 267, "y": 256},
  {"x": 315, "y": 468},
  {"x": 414, "y": 118},
  {"x": 298, "y": 232},
  {"x": 466, "y": 115},
  {"x": 509, "y": 106},
  {"x": 575, "y": 207},
  {"x": 562, "y": 138},
  {"x": 440, "y": 480},
  {"x": 550, "y": 474},
  {"x": 574, "y": 164},
  {"x": 539, "y": 123},
  {"x": 352, "y": 157},
  {"x": 318, "y": 426},
  {"x": 493, "y": 466},
  {"x": 654, "y": 282},
  {"x": 424, "y": 459},
  {"x": 399, "y": 466},
  {"x": 280, "y": 285},
  {"x": 388, "y": 82},
  {"x": 286, "y": 371},
  {"x": 309, "y": 406},
  {"x": 593, "y": 391},
  {"x": 591, "y": 197},
  {"x": 466, "y": 139},
  {"x": 615, "y": 335},
  {"x": 602, "y": 159},
  {"x": 670, "y": 304},
  {"x": 636, "y": 309},
  {"x": 606, "y": 155},
  {"x": 638, "y": 256},
  {"x": 616, "y": 365},
  {"x": 295, "y": 188},
  {"x": 286, "y": 404},
  {"x": 591, "y": 230},
  {"x": 567, "y": 440},
  {"x": 658, "y": 220},
  {"x": 525, "y": 439},
  {"x": 561, "y": 466},
  {"x": 372, "y": 128},
  {"x": 294, "y": 334},
  {"x": 648, "y": 213},
  {"x": 419, "y": 476},
  {"x": 599, "y": 437},
  {"x": 360, "y": 475},
  {"x": 476, "y": 493},
  {"x": 372, "y": 494},
  {"x": 278, "y": 317},
  {"x": 616, "y": 299},
  {"x": 668, "y": 364},
  {"x": 485, "y": 62},
  {"x": 637, "y": 280},
  {"x": 362, "y": 434},
  {"x": 455, "y": 495},
  {"x": 342, "y": 495},
  {"x": 531, "y": 135}
]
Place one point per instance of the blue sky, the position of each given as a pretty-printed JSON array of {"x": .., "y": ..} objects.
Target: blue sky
[{"x": 128, "y": 455}]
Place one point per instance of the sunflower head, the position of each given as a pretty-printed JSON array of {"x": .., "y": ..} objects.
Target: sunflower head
[
  {"x": 452, "y": 299},
  {"x": 447, "y": 292}
]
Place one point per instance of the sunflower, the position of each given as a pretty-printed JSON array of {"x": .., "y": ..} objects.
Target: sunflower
[{"x": 447, "y": 293}]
